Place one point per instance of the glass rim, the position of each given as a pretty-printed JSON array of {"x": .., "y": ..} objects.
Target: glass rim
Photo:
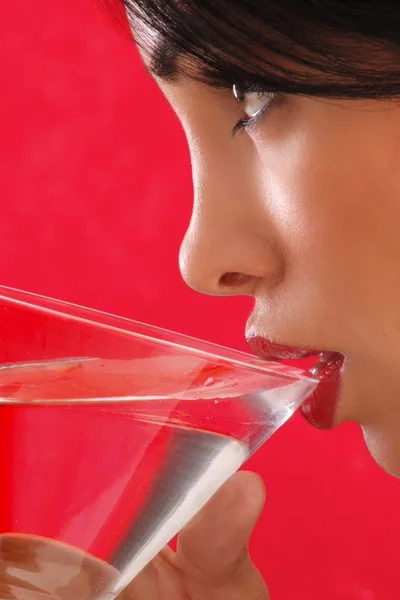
[{"x": 151, "y": 333}]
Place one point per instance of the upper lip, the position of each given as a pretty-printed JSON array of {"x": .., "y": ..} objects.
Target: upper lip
[{"x": 270, "y": 350}]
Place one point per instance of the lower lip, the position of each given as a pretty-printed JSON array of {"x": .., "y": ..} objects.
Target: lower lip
[{"x": 321, "y": 407}]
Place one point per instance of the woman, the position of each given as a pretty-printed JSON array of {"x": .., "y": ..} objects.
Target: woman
[{"x": 291, "y": 116}]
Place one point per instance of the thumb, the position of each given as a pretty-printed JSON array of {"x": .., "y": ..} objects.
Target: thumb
[{"x": 212, "y": 549}]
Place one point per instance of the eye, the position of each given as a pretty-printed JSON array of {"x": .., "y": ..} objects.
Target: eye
[{"x": 252, "y": 102}]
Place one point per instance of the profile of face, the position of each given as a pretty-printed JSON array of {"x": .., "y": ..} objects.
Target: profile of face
[{"x": 300, "y": 209}]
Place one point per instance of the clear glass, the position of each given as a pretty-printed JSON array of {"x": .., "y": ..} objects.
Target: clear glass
[{"x": 113, "y": 434}]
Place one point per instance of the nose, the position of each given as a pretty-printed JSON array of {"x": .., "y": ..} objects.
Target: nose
[{"x": 231, "y": 246}]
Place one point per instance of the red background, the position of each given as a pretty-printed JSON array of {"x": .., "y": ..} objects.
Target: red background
[{"x": 96, "y": 195}]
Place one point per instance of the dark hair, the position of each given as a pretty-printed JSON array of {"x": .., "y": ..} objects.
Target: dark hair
[{"x": 332, "y": 48}]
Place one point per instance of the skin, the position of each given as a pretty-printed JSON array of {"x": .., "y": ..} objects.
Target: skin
[
  {"x": 211, "y": 562},
  {"x": 304, "y": 210}
]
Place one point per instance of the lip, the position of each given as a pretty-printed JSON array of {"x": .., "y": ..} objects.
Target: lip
[
  {"x": 269, "y": 350},
  {"x": 320, "y": 408}
]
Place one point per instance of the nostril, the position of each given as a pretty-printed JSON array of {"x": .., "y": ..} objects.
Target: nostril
[{"x": 231, "y": 279}]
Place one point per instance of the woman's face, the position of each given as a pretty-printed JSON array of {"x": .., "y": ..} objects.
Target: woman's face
[{"x": 304, "y": 209}]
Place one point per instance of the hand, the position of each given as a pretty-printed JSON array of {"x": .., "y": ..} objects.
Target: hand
[{"x": 212, "y": 560}]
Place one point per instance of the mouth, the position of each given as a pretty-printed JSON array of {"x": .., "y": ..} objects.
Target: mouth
[{"x": 321, "y": 407}]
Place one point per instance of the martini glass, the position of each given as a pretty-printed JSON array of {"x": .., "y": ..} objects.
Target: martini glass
[{"x": 113, "y": 434}]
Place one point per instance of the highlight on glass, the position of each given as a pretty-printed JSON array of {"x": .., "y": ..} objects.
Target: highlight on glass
[{"x": 113, "y": 434}]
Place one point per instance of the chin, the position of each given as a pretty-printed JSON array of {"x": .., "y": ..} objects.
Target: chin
[{"x": 384, "y": 447}]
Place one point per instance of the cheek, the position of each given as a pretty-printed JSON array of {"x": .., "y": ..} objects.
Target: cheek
[{"x": 332, "y": 190}]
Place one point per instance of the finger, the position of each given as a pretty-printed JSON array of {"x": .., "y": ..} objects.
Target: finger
[
  {"x": 212, "y": 550},
  {"x": 36, "y": 568},
  {"x": 159, "y": 580}
]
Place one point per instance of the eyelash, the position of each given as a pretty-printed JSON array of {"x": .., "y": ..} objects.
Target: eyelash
[{"x": 249, "y": 122}]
